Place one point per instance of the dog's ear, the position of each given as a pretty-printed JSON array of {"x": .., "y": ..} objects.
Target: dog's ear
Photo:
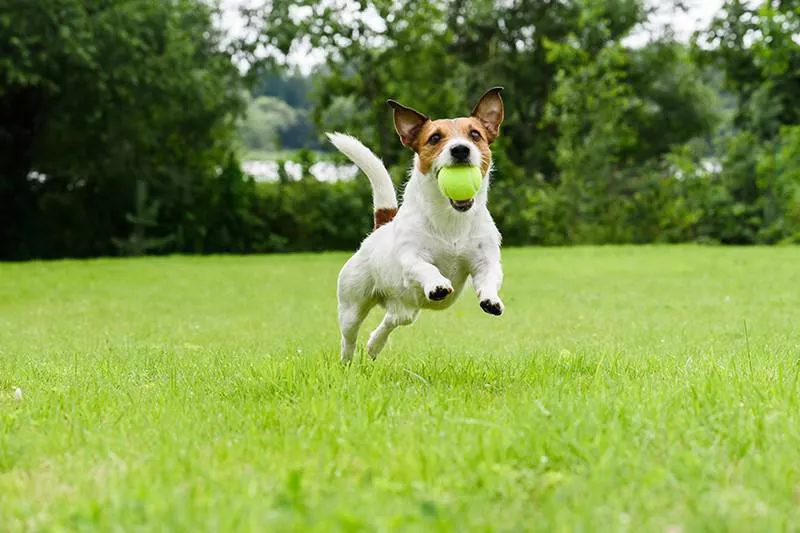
[
  {"x": 489, "y": 111},
  {"x": 407, "y": 122}
]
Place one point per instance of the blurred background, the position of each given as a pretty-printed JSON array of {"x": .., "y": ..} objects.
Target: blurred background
[{"x": 132, "y": 127}]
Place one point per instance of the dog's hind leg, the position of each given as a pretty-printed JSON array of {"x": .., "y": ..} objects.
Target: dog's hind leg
[
  {"x": 354, "y": 292},
  {"x": 394, "y": 318},
  {"x": 351, "y": 315}
]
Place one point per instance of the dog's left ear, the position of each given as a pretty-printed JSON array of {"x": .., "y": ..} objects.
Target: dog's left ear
[{"x": 490, "y": 112}]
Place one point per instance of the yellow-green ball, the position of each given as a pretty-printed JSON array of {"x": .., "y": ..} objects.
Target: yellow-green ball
[{"x": 460, "y": 183}]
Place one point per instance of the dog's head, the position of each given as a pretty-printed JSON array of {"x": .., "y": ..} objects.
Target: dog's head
[{"x": 451, "y": 142}]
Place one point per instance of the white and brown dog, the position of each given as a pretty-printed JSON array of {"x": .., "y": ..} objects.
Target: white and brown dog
[{"x": 419, "y": 256}]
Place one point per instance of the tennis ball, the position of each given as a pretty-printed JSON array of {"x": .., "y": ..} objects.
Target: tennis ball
[{"x": 459, "y": 183}]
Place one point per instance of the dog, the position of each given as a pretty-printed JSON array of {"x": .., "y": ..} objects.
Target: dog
[{"x": 420, "y": 255}]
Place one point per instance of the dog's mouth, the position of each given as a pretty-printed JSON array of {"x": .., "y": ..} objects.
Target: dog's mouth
[{"x": 462, "y": 205}]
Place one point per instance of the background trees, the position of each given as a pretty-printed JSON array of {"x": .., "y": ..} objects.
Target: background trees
[
  {"x": 96, "y": 97},
  {"x": 122, "y": 122}
]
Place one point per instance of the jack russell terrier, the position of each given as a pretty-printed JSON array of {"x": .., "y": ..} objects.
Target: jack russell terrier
[{"x": 420, "y": 255}]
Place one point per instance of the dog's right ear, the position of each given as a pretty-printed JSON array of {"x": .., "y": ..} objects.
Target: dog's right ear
[{"x": 407, "y": 122}]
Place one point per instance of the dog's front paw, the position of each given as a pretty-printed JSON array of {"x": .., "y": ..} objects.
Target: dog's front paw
[
  {"x": 438, "y": 292},
  {"x": 493, "y": 306}
]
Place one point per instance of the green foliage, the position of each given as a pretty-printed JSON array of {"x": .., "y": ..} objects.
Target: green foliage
[
  {"x": 777, "y": 172},
  {"x": 383, "y": 49},
  {"x": 456, "y": 50},
  {"x": 756, "y": 46},
  {"x": 144, "y": 218},
  {"x": 266, "y": 118},
  {"x": 589, "y": 123},
  {"x": 119, "y": 121},
  {"x": 294, "y": 90},
  {"x": 618, "y": 117},
  {"x": 528, "y": 47},
  {"x": 98, "y": 96},
  {"x": 308, "y": 215}
]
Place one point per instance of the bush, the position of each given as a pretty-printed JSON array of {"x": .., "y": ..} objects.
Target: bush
[{"x": 308, "y": 215}]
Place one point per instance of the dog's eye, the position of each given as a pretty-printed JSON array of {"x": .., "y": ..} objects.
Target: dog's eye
[
  {"x": 475, "y": 134},
  {"x": 435, "y": 138}
]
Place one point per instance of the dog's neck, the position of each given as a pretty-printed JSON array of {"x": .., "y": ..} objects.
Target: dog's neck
[{"x": 423, "y": 198}]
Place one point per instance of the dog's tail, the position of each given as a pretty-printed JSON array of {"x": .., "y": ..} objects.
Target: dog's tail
[{"x": 384, "y": 200}]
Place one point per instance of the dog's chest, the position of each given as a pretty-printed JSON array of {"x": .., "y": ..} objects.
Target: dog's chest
[{"x": 450, "y": 258}]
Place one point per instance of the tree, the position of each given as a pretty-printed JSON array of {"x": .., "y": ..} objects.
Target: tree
[
  {"x": 439, "y": 56},
  {"x": 756, "y": 46},
  {"x": 97, "y": 96},
  {"x": 266, "y": 118},
  {"x": 589, "y": 120},
  {"x": 375, "y": 50},
  {"x": 294, "y": 89}
]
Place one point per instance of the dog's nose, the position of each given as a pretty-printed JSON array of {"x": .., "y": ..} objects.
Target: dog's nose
[{"x": 460, "y": 153}]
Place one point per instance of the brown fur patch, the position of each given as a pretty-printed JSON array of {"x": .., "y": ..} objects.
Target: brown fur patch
[
  {"x": 384, "y": 216},
  {"x": 448, "y": 129}
]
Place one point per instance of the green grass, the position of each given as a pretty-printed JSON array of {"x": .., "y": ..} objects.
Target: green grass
[{"x": 626, "y": 389}]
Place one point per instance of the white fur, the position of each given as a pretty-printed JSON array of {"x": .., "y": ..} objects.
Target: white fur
[
  {"x": 383, "y": 195},
  {"x": 429, "y": 246}
]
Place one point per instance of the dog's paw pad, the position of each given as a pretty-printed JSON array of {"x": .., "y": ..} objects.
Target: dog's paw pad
[
  {"x": 439, "y": 293},
  {"x": 493, "y": 307}
]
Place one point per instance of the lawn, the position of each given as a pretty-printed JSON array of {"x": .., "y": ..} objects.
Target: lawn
[{"x": 626, "y": 389}]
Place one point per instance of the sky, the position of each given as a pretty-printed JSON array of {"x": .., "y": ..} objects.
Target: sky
[{"x": 699, "y": 14}]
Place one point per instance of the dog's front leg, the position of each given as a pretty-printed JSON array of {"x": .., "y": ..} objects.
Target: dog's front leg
[
  {"x": 416, "y": 270},
  {"x": 487, "y": 278}
]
